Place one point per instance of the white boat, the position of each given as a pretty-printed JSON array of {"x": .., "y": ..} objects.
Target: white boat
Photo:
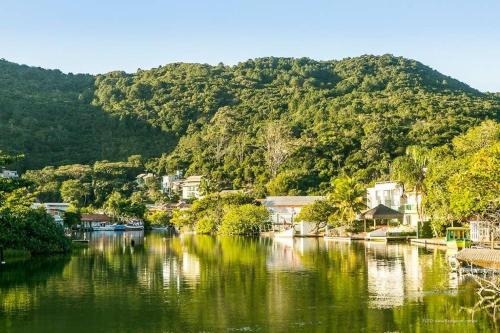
[
  {"x": 134, "y": 225},
  {"x": 285, "y": 233},
  {"x": 109, "y": 227}
]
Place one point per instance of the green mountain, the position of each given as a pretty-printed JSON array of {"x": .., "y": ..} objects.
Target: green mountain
[{"x": 354, "y": 115}]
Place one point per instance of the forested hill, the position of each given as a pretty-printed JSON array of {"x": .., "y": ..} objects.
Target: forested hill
[
  {"x": 48, "y": 116},
  {"x": 352, "y": 115}
]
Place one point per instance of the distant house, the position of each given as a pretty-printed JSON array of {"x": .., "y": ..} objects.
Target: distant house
[
  {"x": 171, "y": 184},
  {"x": 191, "y": 187},
  {"x": 54, "y": 209},
  {"x": 284, "y": 209},
  {"x": 8, "y": 174},
  {"x": 142, "y": 178},
  {"x": 94, "y": 220},
  {"x": 392, "y": 195}
]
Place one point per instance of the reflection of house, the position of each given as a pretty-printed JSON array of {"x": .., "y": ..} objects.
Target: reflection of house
[
  {"x": 191, "y": 187},
  {"x": 55, "y": 209},
  {"x": 8, "y": 174},
  {"x": 392, "y": 195},
  {"x": 94, "y": 220},
  {"x": 284, "y": 209}
]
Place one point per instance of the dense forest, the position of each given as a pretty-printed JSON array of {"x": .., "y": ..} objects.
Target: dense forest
[{"x": 278, "y": 125}]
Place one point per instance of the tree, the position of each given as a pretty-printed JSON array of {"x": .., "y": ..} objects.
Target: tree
[
  {"x": 243, "y": 220},
  {"x": 278, "y": 145},
  {"x": 410, "y": 169},
  {"x": 319, "y": 212},
  {"x": 347, "y": 196},
  {"x": 75, "y": 192}
]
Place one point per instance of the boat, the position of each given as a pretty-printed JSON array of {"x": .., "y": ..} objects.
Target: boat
[
  {"x": 109, "y": 227},
  {"x": 457, "y": 238},
  {"x": 134, "y": 225},
  {"x": 285, "y": 233}
]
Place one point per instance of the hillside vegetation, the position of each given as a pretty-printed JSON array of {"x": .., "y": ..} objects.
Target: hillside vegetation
[{"x": 279, "y": 125}]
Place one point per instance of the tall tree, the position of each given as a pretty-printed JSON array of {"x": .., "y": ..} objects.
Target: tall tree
[{"x": 348, "y": 197}]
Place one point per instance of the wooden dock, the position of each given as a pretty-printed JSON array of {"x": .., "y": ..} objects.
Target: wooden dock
[
  {"x": 428, "y": 241},
  {"x": 486, "y": 258}
]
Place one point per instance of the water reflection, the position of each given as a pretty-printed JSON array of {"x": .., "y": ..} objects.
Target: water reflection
[{"x": 131, "y": 282}]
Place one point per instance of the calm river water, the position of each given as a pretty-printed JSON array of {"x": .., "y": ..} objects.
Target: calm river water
[{"x": 193, "y": 283}]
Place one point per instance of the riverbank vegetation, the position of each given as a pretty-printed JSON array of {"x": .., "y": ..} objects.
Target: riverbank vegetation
[{"x": 23, "y": 228}]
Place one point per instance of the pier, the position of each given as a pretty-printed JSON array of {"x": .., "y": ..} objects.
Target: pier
[{"x": 486, "y": 258}]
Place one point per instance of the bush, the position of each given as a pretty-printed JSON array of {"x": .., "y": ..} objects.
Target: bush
[
  {"x": 33, "y": 230},
  {"x": 206, "y": 225},
  {"x": 243, "y": 220}
]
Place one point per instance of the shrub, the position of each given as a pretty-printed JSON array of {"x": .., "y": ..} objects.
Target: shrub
[
  {"x": 243, "y": 220},
  {"x": 206, "y": 225}
]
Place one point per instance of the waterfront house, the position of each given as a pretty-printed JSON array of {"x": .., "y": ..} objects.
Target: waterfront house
[
  {"x": 284, "y": 209},
  {"x": 10, "y": 174},
  {"x": 191, "y": 187},
  {"x": 94, "y": 220},
  {"x": 393, "y": 195}
]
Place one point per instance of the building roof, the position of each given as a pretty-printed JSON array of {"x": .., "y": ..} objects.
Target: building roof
[
  {"x": 95, "y": 217},
  {"x": 381, "y": 212},
  {"x": 193, "y": 179},
  {"x": 289, "y": 201}
]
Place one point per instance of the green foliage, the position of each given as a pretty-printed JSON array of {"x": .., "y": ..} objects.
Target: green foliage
[
  {"x": 330, "y": 118},
  {"x": 206, "y": 225},
  {"x": 462, "y": 179},
  {"x": 243, "y": 220},
  {"x": 158, "y": 218},
  {"x": 318, "y": 212},
  {"x": 24, "y": 228},
  {"x": 347, "y": 196}
]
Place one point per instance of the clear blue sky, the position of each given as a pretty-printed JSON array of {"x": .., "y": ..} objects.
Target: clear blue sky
[{"x": 460, "y": 38}]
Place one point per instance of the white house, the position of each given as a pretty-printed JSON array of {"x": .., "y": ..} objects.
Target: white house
[
  {"x": 392, "y": 195},
  {"x": 171, "y": 184},
  {"x": 8, "y": 174},
  {"x": 191, "y": 187},
  {"x": 142, "y": 178},
  {"x": 55, "y": 209},
  {"x": 284, "y": 209}
]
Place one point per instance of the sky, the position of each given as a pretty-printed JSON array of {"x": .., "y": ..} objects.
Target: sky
[{"x": 460, "y": 38}]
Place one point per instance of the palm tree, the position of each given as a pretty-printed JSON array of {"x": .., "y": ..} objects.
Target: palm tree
[
  {"x": 410, "y": 170},
  {"x": 348, "y": 197}
]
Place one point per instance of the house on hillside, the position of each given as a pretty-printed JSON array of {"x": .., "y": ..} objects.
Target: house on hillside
[
  {"x": 171, "y": 184},
  {"x": 392, "y": 195},
  {"x": 142, "y": 178},
  {"x": 191, "y": 187},
  {"x": 54, "y": 209},
  {"x": 8, "y": 174}
]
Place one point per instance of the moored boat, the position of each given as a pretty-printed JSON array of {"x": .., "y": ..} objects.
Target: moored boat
[
  {"x": 457, "y": 238},
  {"x": 109, "y": 227},
  {"x": 134, "y": 225}
]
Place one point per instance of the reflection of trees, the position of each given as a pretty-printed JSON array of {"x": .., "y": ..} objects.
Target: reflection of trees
[
  {"x": 488, "y": 298},
  {"x": 21, "y": 281},
  {"x": 204, "y": 283}
]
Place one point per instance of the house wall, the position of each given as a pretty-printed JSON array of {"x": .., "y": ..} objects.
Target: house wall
[
  {"x": 390, "y": 194},
  {"x": 190, "y": 191}
]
